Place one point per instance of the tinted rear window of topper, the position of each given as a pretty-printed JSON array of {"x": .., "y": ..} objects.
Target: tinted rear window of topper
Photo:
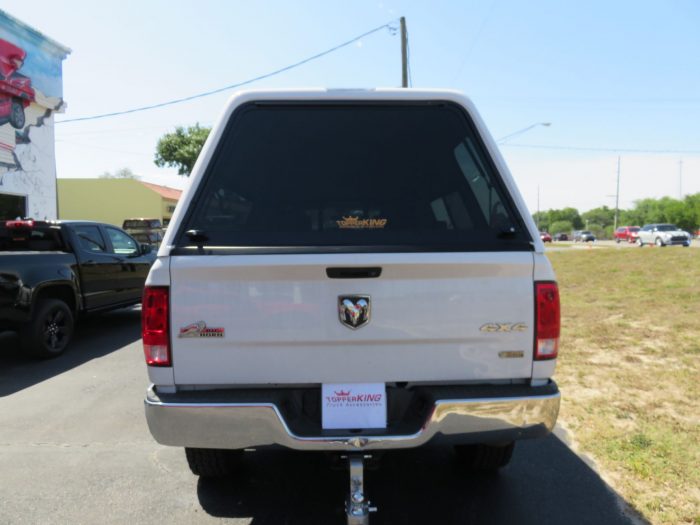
[{"x": 408, "y": 177}]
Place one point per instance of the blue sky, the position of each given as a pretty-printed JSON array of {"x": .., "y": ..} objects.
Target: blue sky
[{"x": 608, "y": 75}]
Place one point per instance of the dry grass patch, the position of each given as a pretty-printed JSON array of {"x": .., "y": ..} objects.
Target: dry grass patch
[{"x": 629, "y": 372}]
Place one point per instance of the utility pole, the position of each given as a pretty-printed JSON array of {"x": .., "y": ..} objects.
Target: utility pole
[
  {"x": 404, "y": 53},
  {"x": 617, "y": 195},
  {"x": 538, "y": 207}
]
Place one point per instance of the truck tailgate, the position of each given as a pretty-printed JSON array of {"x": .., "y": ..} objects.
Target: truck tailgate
[{"x": 434, "y": 317}]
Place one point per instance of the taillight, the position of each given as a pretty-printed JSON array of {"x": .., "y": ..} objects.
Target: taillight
[
  {"x": 547, "y": 321},
  {"x": 19, "y": 224},
  {"x": 155, "y": 325}
]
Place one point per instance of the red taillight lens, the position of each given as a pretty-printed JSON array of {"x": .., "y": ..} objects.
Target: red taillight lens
[
  {"x": 547, "y": 320},
  {"x": 19, "y": 224},
  {"x": 155, "y": 325}
]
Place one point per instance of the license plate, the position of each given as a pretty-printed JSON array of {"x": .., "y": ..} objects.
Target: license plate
[{"x": 353, "y": 405}]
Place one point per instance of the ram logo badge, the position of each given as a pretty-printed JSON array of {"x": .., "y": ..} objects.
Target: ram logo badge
[
  {"x": 354, "y": 310},
  {"x": 503, "y": 327}
]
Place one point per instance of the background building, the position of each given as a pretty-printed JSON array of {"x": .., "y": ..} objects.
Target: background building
[
  {"x": 114, "y": 200},
  {"x": 31, "y": 91}
]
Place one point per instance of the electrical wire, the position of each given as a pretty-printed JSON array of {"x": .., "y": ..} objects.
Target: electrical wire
[
  {"x": 388, "y": 25},
  {"x": 472, "y": 44}
]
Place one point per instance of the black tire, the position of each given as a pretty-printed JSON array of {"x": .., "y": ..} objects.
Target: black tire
[
  {"x": 17, "y": 118},
  {"x": 212, "y": 462},
  {"x": 659, "y": 242},
  {"x": 48, "y": 333},
  {"x": 484, "y": 457},
  {"x": 640, "y": 242}
]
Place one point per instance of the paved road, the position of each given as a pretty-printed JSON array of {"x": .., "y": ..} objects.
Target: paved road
[{"x": 74, "y": 448}]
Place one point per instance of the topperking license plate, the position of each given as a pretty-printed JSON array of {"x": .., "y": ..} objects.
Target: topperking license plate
[{"x": 353, "y": 405}]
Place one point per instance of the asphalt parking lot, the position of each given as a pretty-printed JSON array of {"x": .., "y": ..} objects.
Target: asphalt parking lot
[{"x": 74, "y": 448}]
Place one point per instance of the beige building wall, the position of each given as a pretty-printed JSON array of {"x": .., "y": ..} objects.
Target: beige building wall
[
  {"x": 168, "y": 209},
  {"x": 107, "y": 200}
]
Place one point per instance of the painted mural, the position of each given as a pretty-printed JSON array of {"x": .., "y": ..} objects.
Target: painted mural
[
  {"x": 30, "y": 93},
  {"x": 22, "y": 105}
]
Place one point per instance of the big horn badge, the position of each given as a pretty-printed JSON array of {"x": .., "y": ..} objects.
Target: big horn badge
[{"x": 354, "y": 310}]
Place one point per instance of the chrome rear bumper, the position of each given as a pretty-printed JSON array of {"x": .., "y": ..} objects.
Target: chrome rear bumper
[{"x": 246, "y": 425}]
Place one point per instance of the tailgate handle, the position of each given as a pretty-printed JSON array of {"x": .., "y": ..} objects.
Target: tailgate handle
[{"x": 354, "y": 273}]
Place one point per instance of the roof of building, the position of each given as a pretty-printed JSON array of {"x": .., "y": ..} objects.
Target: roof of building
[
  {"x": 164, "y": 191},
  {"x": 49, "y": 43}
]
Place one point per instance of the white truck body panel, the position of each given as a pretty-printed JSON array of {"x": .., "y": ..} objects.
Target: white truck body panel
[{"x": 280, "y": 317}]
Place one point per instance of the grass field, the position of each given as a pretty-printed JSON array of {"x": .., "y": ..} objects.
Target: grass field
[{"x": 629, "y": 372}]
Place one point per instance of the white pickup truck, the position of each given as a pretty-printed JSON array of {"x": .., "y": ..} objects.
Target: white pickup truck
[{"x": 350, "y": 271}]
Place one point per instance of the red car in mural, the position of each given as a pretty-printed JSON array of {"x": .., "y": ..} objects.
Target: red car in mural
[{"x": 16, "y": 91}]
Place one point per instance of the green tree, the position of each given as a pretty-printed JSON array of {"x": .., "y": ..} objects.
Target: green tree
[
  {"x": 549, "y": 217},
  {"x": 681, "y": 214},
  {"x": 561, "y": 227},
  {"x": 597, "y": 229},
  {"x": 602, "y": 216},
  {"x": 181, "y": 148},
  {"x": 122, "y": 173},
  {"x": 693, "y": 204},
  {"x": 685, "y": 214},
  {"x": 541, "y": 218},
  {"x": 566, "y": 214}
]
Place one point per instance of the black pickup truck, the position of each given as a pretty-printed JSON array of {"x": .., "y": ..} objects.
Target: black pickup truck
[{"x": 53, "y": 272}]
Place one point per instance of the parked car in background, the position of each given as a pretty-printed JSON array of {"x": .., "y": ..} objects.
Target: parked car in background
[
  {"x": 583, "y": 236},
  {"x": 147, "y": 231},
  {"x": 662, "y": 235},
  {"x": 561, "y": 236},
  {"x": 546, "y": 237},
  {"x": 52, "y": 273},
  {"x": 626, "y": 233}
]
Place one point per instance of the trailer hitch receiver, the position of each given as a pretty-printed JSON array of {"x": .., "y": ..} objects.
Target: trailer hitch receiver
[{"x": 357, "y": 506}]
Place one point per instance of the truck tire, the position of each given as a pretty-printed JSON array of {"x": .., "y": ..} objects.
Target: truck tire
[
  {"x": 50, "y": 330},
  {"x": 484, "y": 457},
  {"x": 211, "y": 462},
  {"x": 17, "y": 119}
]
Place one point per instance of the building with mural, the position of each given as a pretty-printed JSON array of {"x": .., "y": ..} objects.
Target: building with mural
[
  {"x": 115, "y": 200},
  {"x": 31, "y": 92}
]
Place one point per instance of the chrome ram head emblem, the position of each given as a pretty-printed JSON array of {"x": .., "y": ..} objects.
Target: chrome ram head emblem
[{"x": 354, "y": 310}]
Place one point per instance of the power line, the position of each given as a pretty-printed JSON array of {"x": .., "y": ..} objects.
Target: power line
[
  {"x": 388, "y": 25},
  {"x": 611, "y": 150},
  {"x": 117, "y": 131},
  {"x": 472, "y": 44}
]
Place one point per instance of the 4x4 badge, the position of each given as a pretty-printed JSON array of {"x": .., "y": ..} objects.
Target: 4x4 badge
[
  {"x": 504, "y": 327},
  {"x": 354, "y": 310}
]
